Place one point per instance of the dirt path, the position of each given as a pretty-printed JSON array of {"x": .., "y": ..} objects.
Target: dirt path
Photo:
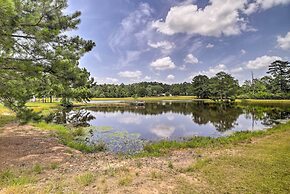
[{"x": 22, "y": 146}]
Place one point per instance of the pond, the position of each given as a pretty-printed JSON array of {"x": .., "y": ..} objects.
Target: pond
[{"x": 125, "y": 129}]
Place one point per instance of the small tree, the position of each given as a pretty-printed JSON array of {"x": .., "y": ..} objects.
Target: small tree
[
  {"x": 223, "y": 86},
  {"x": 200, "y": 86}
]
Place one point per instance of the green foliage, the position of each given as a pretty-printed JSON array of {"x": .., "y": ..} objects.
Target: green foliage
[
  {"x": 37, "y": 58},
  {"x": 140, "y": 89},
  {"x": 280, "y": 71},
  {"x": 275, "y": 86},
  {"x": 223, "y": 86},
  {"x": 201, "y": 86},
  {"x": 71, "y": 137}
]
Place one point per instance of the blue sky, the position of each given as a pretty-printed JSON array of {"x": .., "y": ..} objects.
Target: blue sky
[{"x": 173, "y": 40}]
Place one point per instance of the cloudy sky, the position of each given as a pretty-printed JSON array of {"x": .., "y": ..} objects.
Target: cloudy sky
[{"x": 173, "y": 40}]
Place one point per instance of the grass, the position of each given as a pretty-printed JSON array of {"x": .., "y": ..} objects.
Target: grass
[
  {"x": 6, "y": 116},
  {"x": 126, "y": 180},
  {"x": 162, "y": 147},
  {"x": 9, "y": 178},
  {"x": 263, "y": 102},
  {"x": 69, "y": 137},
  {"x": 37, "y": 168},
  {"x": 85, "y": 179},
  {"x": 261, "y": 167}
]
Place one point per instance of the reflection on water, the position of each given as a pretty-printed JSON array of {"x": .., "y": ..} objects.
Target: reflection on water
[{"x": 170, "y": 120}]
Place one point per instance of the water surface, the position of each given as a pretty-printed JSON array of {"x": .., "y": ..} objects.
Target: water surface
[{"x": 127, "y": 128}]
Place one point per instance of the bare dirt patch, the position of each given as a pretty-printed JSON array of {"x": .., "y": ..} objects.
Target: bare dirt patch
[{"x": 23, "y": 145}]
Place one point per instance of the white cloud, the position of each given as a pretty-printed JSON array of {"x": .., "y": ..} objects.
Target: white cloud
[
  {"x": 243, "y": 52},
  {"x": 212, "y": 71},
  {"x": 171, "y": 77},
  {"x": 130, "y": 74},
  {"x": 130, "y": 56},
  {"x": 216, "y": 19},
  {"x": 107, "y": 80},
  {"x": 209, "y": 45},
  {"x": 267, "y": 4},
  {"x": 284, "y": 42},
  {"x": 262, "y": 62},
  {"x": 97, "y": 56},
  {"x": 263, "y": 5},
  {"x": 251, "y": 8},
  {"x": 111, "y": 80},
  {"x": 163, "y": 45},
  {"x": 182, "y": 68},
  {"x": 237, "y": 70},
  {"x": 216, "y": 69},
  {"x": 130, "y": 25},
  {"x": 163, "y": 64},
  {"x": 147, "y": 78},
  {"x": 190, "y": 59}
]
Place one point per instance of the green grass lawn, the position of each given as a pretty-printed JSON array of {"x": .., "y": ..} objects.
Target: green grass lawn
[{"x": 260, "y": 167}]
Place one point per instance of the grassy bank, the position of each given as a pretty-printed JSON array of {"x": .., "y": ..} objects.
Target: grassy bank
[
  {"x": 71, "y": 137},
  {"x": 162, "y": 147},
  {"x": 263, "y": 102}
]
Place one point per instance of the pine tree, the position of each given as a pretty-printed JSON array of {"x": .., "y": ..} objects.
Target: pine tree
[{"x": 33, "y": 44}]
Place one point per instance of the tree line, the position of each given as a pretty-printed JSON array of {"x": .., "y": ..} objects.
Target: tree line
[{"x": 223, "y": 86}]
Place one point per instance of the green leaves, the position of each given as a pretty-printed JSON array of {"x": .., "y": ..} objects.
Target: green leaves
[
  {"x": 221, "y": 86},
  {"x": 36, "y": 58}
]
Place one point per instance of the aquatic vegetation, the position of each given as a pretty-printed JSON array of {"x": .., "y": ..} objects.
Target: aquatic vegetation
[{"x": 118, "y": 141}]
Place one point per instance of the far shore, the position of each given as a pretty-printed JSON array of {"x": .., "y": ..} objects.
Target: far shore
[{"x": 192, "y": 98}]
